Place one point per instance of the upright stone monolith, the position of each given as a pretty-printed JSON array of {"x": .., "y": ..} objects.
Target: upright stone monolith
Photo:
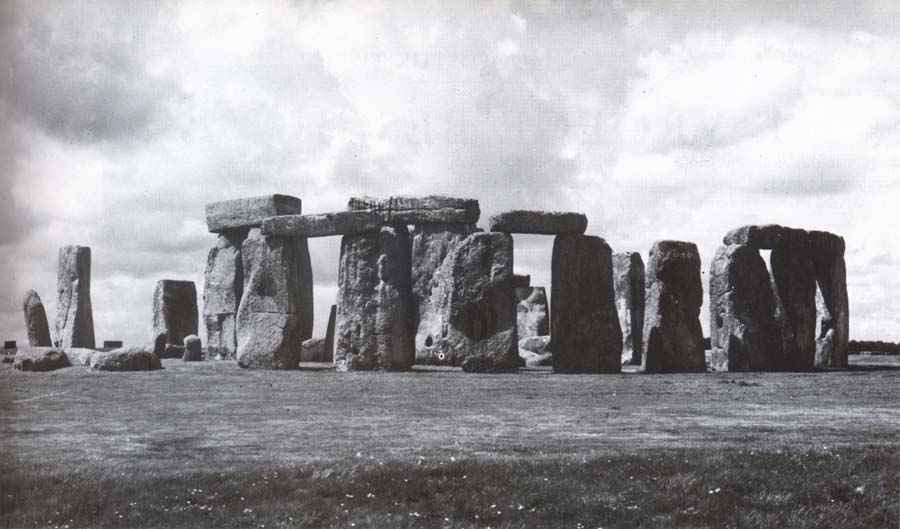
[
  {"x": 36, "y": 325},
  {"x": 276, "y": 310},
  {"x": 585, "y": 336},
  {"x": 673, "y": 337},
  {"x": 794, "y": 280},
  {"x": 533, "y": 315},
  {"x": 430, "y": 244},
  {"x": 628, "y": 273},
  {"x": 375, "y": 307},
  {"x": 174, "y": 316},
  {"x": 224, "y": 285},
  {"x": 833, "y": 327},
  {"x": 329, "y": 334},
  {"x": 743, "y": 330},
  {"x": 74, "y": 315}
]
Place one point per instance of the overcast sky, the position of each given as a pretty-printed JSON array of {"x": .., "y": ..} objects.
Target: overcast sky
[{"x": 659, "y": 120}]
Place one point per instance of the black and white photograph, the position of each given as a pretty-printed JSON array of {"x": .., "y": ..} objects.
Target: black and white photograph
[{"x": 455, "y": 264}]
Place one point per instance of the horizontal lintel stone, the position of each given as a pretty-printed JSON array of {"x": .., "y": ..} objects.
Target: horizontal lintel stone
[
  {"x": 323, "y": 224},
  {"x": 249, "y": 212},
  {"x": 539, "y": 222}
]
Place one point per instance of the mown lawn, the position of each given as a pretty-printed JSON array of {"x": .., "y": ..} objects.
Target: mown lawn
[{"x": 210, "y": 445}]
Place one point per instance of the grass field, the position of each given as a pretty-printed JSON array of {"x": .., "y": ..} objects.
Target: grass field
[{"x": 211, "y": 445}]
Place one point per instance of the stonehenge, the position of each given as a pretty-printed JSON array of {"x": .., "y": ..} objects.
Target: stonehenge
[
  {"x": 539, "y": 222},
  {"x": 36, "y": 325},
  {"x": 74, "y": 315},
  {"x": 174, "y": 316},
  {"x": 244, "y": 213},
  {"x": 224, "y": 284},
  {"x": 532, "y": 312},
  {"x": 628, "y": 274}
]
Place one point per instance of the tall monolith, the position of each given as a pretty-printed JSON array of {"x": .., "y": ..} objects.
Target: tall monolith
[
  {"x": 628, "y": 273},
  {"x": 74, "y": 315},
  {"x": 36, "y": 326}
]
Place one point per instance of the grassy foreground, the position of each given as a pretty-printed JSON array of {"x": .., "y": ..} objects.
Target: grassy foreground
[{"x": 211, "y": 445}]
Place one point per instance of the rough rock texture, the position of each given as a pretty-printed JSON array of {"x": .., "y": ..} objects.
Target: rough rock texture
[
  {"x": 174, "y": 313},
  {"x": 539, "y": 222},
  {"x": 470, "y": 321},
  {"x": 833, "y": 326},
  {"x": 530, "y": 359},
  {"x": 40, "y": 359},
  {"x": 249, "y": 212},
  {"x": 328, "y": 346},
  {"x": 744, "y": 333},
  {"x": 74, "y": 315},
  {"x": 131, "y": 359},
  {"x": 767, "y": 237},
  {"x": 420, "y": 210},
  {"x": 430, "y": 245},
  {"x": 276, "y": 310},
  {"x": 193, "y": 351},
  {"x": 794, "y": 278},
  {"x": 36, "y": 325},
  {"x": 629, "y": 282},
  {"x": 535, "y": 344},
  {"x": 313, "y": 350},
  {"x": 224, "y": 286},
  {"x": 532, "y": 313},
  {"x": 673, "y": 338},
  {"x": 80, "y": 356},
  {"x": 521, "y": 281},
  {"x": 824, "y": 333},
  {"x": 324, "y": 224},
  {"x": 585, "y": 336},
  {"x": 375, "y": 305}
]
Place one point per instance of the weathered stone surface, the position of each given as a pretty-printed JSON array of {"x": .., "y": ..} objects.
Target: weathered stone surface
[
  {"x": 174, "y": 313},
  {"x": 329, "y": 334},
  {"x": 276, "y": 310},
  {"x": 535, "y": 344},
  {"x": 826, "y": 245},
  {"x": 323, "y": 224},
  {"x": 824, "y": 333},
  {"x": 585, "y": 336},
  {"x": 249, "y": 212},
  {"x": 79, "y": 356},
  {"x": 224, "y": 286},
  {"x": 131, "y": 359},
  {"x": 430, "y": 245},
  {"x": 673, "y": 338},
  {"x": 521, "y": 281},
  {"x": 744, "y": 333},
  {"x": 471, "y": 318},
  {"x": 532, "y": 313},
  {"x": 530, "y": 359},
  {"x": 36, "y": 325},
  {"x": 74, "y": 314},
  {"x": 833, "y": 327},
  {"x": 375, "y": 305},
  {"x": 313, "y": 350},
  {"x": 40, "y": 359},
  {"x": 193, "y": 351},
  {"x": 629, "y": 282},
  {"x": 539, "y": 222},
  {"x": 420, "y": 210},
  {"x": 794, "y": 278},
  {"x": 767, "y": 237}
]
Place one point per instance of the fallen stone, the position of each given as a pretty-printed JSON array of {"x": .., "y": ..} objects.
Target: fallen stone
[
  {"x": 375, "y": 305},
  {"x": 585, "y": 336},
  {"x": 223, "y": 288},
  {"x": 420, "y": 210},
  {"x": 328, "y": 346},
  {"x": 767, "y": 237},
  {"x": 36, "y": 325},
  {"x": 629, "y": 282},
  {"x": 131, "y": 359},
  {"x": 313, "y": 350},
  {"x": 535, "y": 344},
  {"x": 794, "y": 278},
  {"x": 744, "y": 333},
  {"x": 539, "y": 222},
  {"x": 529, "y": 359},
  {"x": 323, "y": 225},
  {"x": 80, "y": 356},
  {"x": 532, "y": 314},
  {"x": 276, "y": 310},
  {"x": 193, "y": 351},
  {"x": 74, "y": 314},
  {"x": 249, "y": 212},
  {"x": 521, "y": 281},
  {"x": 40, "y": 359},
  {"x": 174, "y": 315},
  {"x": 673, "y": 338}
]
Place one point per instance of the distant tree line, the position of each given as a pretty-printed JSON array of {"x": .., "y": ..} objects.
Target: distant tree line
[{"x": 873, "y": 347}]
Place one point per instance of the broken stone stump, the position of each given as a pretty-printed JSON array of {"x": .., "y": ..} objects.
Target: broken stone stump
[
  {"x": 36, "y": 325},
  {"x": 744, "y": 333},
  {"x": 585, "y": 336},
  {"x": 174, "y": 316},
  {"x": 74, "y": 315},
  {"x": 628, "y": 273},
  {"x": 673, "y": 337},
  {"x": 532, "y": 314},
  {"x": 224, "y": 286},
  {"x": 329, "y": 334},
  {"x": 470, "y": 321},
  {"x": 39, "y": 359},
  {"x": 245, "y": 213},
  {"x": 833, "y": 326},
  {"x": 794, "y": 280},
  {"x": 193, "y": 351},
  {"x": 539, "y": 222},
  {"x": 375, "y": 306},
  {"x": 276, "y": 310},
  {"x": 130, "y": 359}
]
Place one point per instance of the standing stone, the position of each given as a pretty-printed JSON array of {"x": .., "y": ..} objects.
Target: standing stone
[
  {"x": 36, "y": 325},
  {"x": 585, "y": 336},
  {"x": 375, "y": 307},
  {"x": 833, "y": 325},
  {"x": 794, "y": 278},
  {"x": 329, "y": 335},
  {"x": 470, "y": 321},
  {"x": 628, "y": 273},
  {"x": 74, "y": 315},
  {"x": 532, "y": 313},
  {"x": 824, "y": 332},
  {"x": 276, "y": 310},
  {"x": 743, "y": 330},
  {"x": 224, "y": 285},
  {"x": 193, "y": 351},
  {"x": 174, "y": 316},
  {"x": 673, "y": 337}
]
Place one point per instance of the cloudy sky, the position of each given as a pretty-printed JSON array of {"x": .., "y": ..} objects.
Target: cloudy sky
[{"x": 659, "y": 120}]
